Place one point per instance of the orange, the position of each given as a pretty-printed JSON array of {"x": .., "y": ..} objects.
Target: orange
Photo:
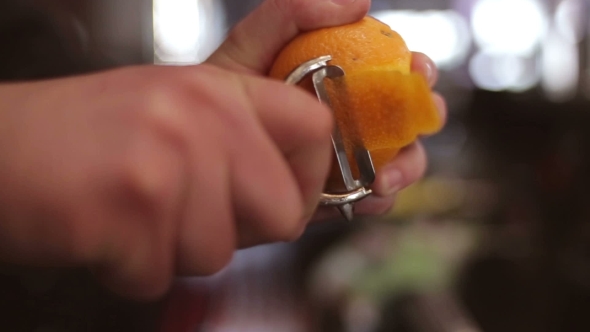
[
  {"x": 364, "y": 45},
  {"x": 379, "y": 102}
]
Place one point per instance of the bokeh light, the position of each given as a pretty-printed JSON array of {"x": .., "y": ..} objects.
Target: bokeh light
[
  {"x": 509, "y": 26},
  {"x": 442, "y": 35},
  {"x": 497, "y": 72},
  {"x": 569, "y": 21},
  {"x": 187, "y": 31},
  {"x": 560, "y": 67}
]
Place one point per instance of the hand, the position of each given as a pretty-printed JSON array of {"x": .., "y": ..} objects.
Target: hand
[
  {"x": 245, "y": 52},
  {"x": 147, "y": 172},
  {"x": 144, "y": 173},
  {"x": 408, "y": 166}
]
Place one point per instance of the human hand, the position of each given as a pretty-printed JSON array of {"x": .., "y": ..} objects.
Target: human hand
[
  {"x": 144, "y": 173},
  {"x": 244, "y": 51},
  {"x": 147, "y": 172}
]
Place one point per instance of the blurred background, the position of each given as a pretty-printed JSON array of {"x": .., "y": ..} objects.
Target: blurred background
[{"x": 495, "y": 238}]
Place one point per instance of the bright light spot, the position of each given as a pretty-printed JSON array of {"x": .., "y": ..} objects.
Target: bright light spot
[
  {"x": 183, "y": 33},
  {"x": 442, "y": 35},
  {"x": 569, "y": 21},
  {"x": 509, "y": 26},
  {"x": 177, "y": 27},
  {"x": 496, "y": 72},
  {"x": 560, "y": 64}
]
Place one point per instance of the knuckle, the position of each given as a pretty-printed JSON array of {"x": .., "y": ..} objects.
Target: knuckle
[
  {"x": 166, "y": 110},
  {"x": 149, "y": 176},
  {"x": 148, "y": 184},
  {"x": 148, "y": 172}
]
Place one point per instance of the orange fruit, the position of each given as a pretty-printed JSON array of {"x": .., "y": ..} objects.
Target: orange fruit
[{"x": 378, "y": 102}]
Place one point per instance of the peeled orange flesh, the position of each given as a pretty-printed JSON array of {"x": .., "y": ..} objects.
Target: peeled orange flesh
[{"x": 379, "y": 103}]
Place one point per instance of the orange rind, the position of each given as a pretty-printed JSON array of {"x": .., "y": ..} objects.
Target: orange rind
[{"x": 379, "y": 102}]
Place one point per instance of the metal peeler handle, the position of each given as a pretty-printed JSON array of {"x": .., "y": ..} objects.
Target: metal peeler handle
[{"x": 357, "y": 189}]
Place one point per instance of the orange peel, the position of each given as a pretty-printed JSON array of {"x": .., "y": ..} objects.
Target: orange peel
[{"x": 379, "y": 102}]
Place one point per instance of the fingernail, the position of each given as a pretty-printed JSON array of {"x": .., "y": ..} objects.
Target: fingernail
[
  {"x": 392, "y": 182},
  {"x": 429, "y": 72},
  {"x": 343, "y": 2}
]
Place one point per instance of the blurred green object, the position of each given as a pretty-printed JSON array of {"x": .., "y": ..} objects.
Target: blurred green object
[
  {"x": 423, "y": 256},
  {"x": 386, "y": 259},
  {"x": 414, "y": 264}
]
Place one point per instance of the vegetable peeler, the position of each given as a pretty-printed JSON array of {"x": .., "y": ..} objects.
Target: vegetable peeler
[{"x": 356, "y": 189}]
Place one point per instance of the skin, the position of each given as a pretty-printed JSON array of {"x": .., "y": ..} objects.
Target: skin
[{"x": 145, "y": 173}]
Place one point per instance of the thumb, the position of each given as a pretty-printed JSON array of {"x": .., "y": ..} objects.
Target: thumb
[{"x": 253, "y": 44}]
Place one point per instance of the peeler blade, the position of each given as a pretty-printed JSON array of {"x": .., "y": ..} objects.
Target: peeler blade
[
  {"x": 347, "y": 211},
  {"x": 356, "y": 189}
]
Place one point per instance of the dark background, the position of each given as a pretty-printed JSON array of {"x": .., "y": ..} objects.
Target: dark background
[{"x": 529, "y": 267}]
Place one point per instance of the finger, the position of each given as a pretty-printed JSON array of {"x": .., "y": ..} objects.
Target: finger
[
  {"x": 134, "y": 258},
  {"x": 207, "y": 233},
  {"x": 299, "y": 128},
  {"x": 244, "y": 49},
  {"x": 375, "y": 205},
  {"x": 422, "y": 64},
  {"x": 279, "y": 142},
  {"x": 302, "y": 130},
  {"x": 407, "y": 167}
]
